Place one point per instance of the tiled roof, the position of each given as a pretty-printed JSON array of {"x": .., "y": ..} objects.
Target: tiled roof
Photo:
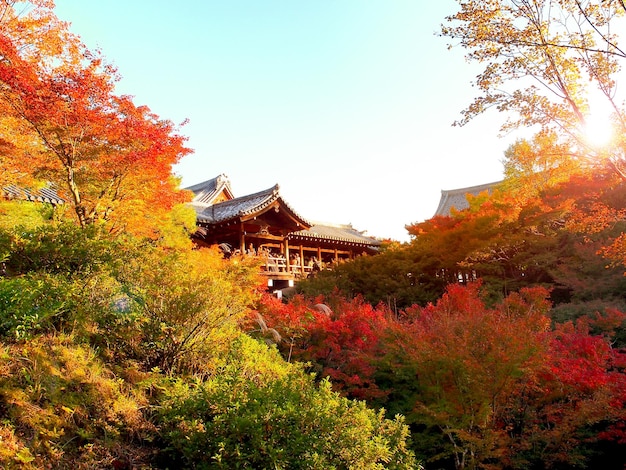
[
  {"x": 345, "y": 233},
  {"x": 241, "y": 207},
  {"x": 205, "y": 192},
  {"x": 457, "y": 198},
  {"x": 39, "y": 195},
  {"x": 209, "y": 213}
]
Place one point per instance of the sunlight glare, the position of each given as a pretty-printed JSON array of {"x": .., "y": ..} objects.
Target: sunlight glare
[{"x": 598, "y": 131}]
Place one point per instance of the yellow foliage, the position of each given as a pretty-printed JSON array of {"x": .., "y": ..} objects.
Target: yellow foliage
[{"x": 59, "y": 394}]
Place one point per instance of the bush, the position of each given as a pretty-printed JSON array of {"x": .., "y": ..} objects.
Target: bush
[
  {"x": 261, "y": 412},
  {"x": 61, "y": 407},
  {"x": 177, "y": 310},
  {"x": 33, "y": 304},
  {"x": 56, "y": 248}
]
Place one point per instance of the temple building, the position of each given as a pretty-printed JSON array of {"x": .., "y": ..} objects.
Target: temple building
[
  {"x": 263, "y": 224},
  {"x": 457, "y": 198}
]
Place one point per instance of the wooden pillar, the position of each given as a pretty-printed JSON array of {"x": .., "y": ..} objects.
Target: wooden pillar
[
  {"x": 336, "y": 256},
  {"x": 287, "y": 255},
  {"x": 242, "y": 243},
  {"x": 301, "y": 259}
]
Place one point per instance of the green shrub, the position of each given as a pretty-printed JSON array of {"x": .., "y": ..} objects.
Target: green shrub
[
  {"x": 56, "y": 248},
  {"x": 33, "y": 304},
  {"x": 179, "y": 309},
  {"x": 261, "y": 412}
]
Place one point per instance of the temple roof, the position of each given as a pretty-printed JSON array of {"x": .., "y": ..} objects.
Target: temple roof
[
  {"x": 211, "y": 210},
  {"x": 457, "y": 198},
  {"x": 344, "y": 233},
  {"x": 207, "y": 192},
  {"x": 39, "y": 195},
  {"x": 244, "y": 206}
]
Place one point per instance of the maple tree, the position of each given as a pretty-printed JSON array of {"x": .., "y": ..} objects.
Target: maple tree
[
  {"x": 341, "y": 343},
  {"x": 468, "y": 361},
  {"x": 500, "y": 387},
  {"x": 110, "y": 158},
  {"x": 32, "y": 34},
  {"x": 481, "y": 383}
]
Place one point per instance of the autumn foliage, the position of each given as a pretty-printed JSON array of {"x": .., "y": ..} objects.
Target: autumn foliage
[
  {"x": 500, "y": 333},
  {"x": 495, "y": 338},
  {"x": 480, "y": 385},
  {"x": 65, "y": 127},
  {"x": 121, "y": 346}
]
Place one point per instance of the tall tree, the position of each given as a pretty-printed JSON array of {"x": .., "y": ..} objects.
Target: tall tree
[
  {"x": 31, "y": 32},
  {"x": 111, "y": 159},
  {"x": 531, "y": 166}
]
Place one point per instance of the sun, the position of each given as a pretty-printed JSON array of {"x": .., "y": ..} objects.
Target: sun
[{"x": 598, "y": 130}]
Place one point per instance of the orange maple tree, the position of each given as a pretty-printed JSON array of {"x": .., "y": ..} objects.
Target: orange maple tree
[{"x": 110, "y": 158}]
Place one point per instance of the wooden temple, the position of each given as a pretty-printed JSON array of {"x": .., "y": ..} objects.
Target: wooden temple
[{"x": 263, "y": 224}]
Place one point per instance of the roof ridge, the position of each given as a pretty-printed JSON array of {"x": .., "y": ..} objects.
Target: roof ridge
[
  {"x": 471, "y": 188},
  {"x": 269, "y": 191},
  {"x": 331, "y": 224}
]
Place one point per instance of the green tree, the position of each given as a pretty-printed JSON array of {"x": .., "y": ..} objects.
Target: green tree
[{"x": 399, "y": 276}]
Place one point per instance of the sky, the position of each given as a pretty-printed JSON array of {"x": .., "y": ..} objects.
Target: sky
[{"x": 347, "y": 104}]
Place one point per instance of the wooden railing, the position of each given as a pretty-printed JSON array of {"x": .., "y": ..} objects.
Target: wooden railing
[{"x": 278, "y": 264}]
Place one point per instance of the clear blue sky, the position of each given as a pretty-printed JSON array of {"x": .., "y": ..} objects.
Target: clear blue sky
[{"x": 346, "y": 104}]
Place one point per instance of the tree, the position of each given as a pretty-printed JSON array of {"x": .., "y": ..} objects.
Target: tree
[
  {"x": 580, "y": 399},
  {"x": 531, "y": 167},
  {"x": 541, "y": 58},
  {"x": 469, "y": 361},
  {"x": 111, "y": 159},
  {"x": 496, "y": 387},
  {"x": 399, "y": 276}
]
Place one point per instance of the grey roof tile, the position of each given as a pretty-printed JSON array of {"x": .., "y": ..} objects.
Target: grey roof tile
[
  {"x": 242, "y": 206},
  {"x": 206, "y": 192},
  {"x": 45, "y": 194},
  {"x": 457, "y": 198},
  {"x": 345, "y": 233}
]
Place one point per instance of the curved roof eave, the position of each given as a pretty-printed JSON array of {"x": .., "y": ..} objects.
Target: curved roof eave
[
  {"x": 359, "y": 240},
  {"x": 206, "y": 191},
  {"x": 250, "y": 205},
  {"x": 279, "y": 199},
  {"x": 373, "y": 243}
]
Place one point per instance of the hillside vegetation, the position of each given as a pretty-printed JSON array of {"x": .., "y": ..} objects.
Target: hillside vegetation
[
  {"x": 121, "y": 346},
  {"x": 494, "y": 339}
]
